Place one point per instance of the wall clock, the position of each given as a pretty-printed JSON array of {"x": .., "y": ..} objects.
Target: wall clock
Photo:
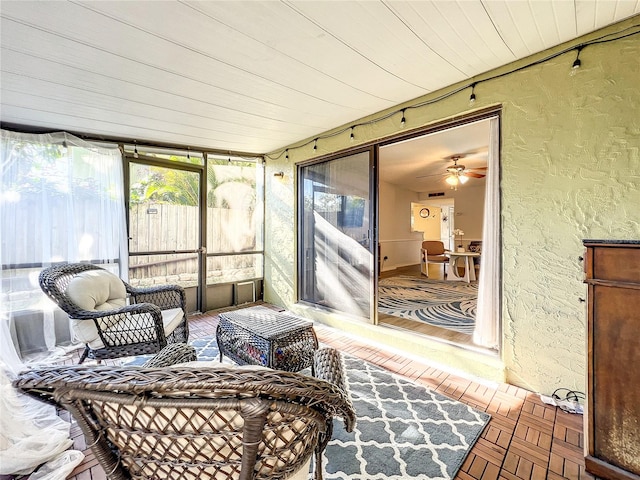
[{"x": 424, "y": 213}]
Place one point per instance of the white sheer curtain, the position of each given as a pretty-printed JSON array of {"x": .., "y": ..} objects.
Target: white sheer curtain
[
  {"x": 487, "y": 330},
  {"x": 61, "y": 200}
]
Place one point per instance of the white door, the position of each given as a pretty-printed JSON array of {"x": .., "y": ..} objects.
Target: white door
[{"x": 446, "y": 226}]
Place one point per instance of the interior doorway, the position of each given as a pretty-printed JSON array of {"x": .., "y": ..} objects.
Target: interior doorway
[
  {"x": 432, "y": 187},
  {"x": 433, "y": 220}
]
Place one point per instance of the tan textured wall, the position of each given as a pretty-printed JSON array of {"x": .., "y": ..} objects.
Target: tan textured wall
[{"x": 570, "y": 167}]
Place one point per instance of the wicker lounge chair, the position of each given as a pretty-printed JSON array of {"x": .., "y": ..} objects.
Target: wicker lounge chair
[
  {"x": 201, "y": 420},
  {"x": 96, "y": 302}
]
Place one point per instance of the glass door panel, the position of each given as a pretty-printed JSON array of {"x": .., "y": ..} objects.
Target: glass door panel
[
  {"x": 164, "y": 228},
  {"x": 235, "y": 211},
  {"x": 336, "y": 257}
]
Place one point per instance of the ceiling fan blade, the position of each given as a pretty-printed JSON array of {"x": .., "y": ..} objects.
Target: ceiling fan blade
[
  {"x": 474, "y": 174},
  {"x": 431, "y": 175},
  {"x": 478, "y": 168}
]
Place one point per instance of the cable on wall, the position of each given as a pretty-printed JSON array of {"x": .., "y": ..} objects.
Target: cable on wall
[{"x": 611, "y": 37}]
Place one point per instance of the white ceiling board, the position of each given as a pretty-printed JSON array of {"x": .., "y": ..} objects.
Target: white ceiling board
[
  {"x": 514, "y": 23},
  {"x": 255, "y": 76},
  {"x": 52, "y": 97},
  {"x": 391, "y": 52},
  {"x": 60, "y": 120},
  {"x": 125, "y": 96},
  {"x": 96, "y": 115},
  {"x": 460, "y": 33},
  {"x": 592, "y": 15},
  {"x": 420, "y": 163},
  {"x": 166, "y": 63},
  {"x": 291, "y": 36},
  {"x": 210, "y": 45},
  {"x": 126, "y": 46}
]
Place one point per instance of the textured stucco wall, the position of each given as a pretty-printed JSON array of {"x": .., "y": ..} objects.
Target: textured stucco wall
[{"x": 570, "y": 169}]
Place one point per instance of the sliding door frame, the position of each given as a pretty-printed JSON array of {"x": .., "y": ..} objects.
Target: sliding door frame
[
  {"x": 371, "y": 150},
  {"x": 374, "y": 147}
]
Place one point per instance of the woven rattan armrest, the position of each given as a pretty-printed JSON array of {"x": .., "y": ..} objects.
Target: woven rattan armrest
[
  {"x": 134, "y": 309},
  {"x": 171, "y": 355},
  {"x": 329, "y": 367},
  {"x": 165, "y": 296},
  {"x": 210, "y": 382},
  {"x": 120, "y": 321}
]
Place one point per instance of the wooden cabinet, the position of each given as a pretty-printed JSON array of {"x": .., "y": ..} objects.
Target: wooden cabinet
[{"x": 612, "y": 271}]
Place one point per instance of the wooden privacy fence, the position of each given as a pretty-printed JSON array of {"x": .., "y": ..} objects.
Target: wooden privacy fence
[
  {"x": 164, "y": 227},
  {"x": 153, "y": 227}
]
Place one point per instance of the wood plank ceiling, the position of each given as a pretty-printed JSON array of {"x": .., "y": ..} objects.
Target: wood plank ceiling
[{"x": 254, "y": 76}]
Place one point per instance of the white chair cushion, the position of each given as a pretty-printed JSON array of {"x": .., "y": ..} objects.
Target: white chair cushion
[
  {"x": 303, "y": 473},
  {"x": 100, "y": 290},
  {"x": 200, "y": 364},
  {"x": 94, "y": 290},
  {"x": 97, "y": 290}
]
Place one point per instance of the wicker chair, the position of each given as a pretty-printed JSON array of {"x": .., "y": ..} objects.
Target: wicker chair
[
  {"x": 95, "y": 301},
  {"x": 202, "y": 420}
]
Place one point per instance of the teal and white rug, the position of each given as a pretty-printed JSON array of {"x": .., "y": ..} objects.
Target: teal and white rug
[
  {"x": 403, "y": 432},
  {"x": 439, "y": 303}
]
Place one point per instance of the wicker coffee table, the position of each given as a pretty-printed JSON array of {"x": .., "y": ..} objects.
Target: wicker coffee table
[{"x": 262, "y": 336}]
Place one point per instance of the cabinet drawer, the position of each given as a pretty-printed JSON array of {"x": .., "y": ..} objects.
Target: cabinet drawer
[{"x": 615, "y": 264}]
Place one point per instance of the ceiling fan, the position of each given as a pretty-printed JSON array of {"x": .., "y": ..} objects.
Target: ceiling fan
[{"x": 457, "y": 174}]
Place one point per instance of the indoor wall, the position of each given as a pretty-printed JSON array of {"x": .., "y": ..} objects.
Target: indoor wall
[
  {"x": 397, "y": 241},
  {"x": 570, "y": 170}
]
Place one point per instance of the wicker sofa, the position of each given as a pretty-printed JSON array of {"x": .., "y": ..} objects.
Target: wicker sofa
[
  {"x": 201, "y": 420},
  {"x": 96, "y": 302}
]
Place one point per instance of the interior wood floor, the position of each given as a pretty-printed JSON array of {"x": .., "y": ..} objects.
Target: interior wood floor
[
  {"x": 422, "y": 328},
  {"x": 525, "y": 439}
]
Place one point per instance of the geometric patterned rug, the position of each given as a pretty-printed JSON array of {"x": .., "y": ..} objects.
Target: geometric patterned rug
[
  {"x": 404, "y": 431},
  {"x": 439, "y": 303}
]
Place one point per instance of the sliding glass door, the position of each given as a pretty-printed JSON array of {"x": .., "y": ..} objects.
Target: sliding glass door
[{"x": 336, "y": 232}]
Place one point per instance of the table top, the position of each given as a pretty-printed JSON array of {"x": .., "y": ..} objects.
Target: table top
[
  {"x": 266, "y": 322},
  {"x": 463, "y": 254}
]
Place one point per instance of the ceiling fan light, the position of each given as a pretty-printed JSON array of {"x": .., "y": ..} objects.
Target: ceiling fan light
[
  {"x": 463, "y": 178},
  {"x": 452, "y": 180}
]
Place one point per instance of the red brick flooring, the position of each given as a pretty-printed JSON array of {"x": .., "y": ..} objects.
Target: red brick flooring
[{"x": 525, "y": 438}]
